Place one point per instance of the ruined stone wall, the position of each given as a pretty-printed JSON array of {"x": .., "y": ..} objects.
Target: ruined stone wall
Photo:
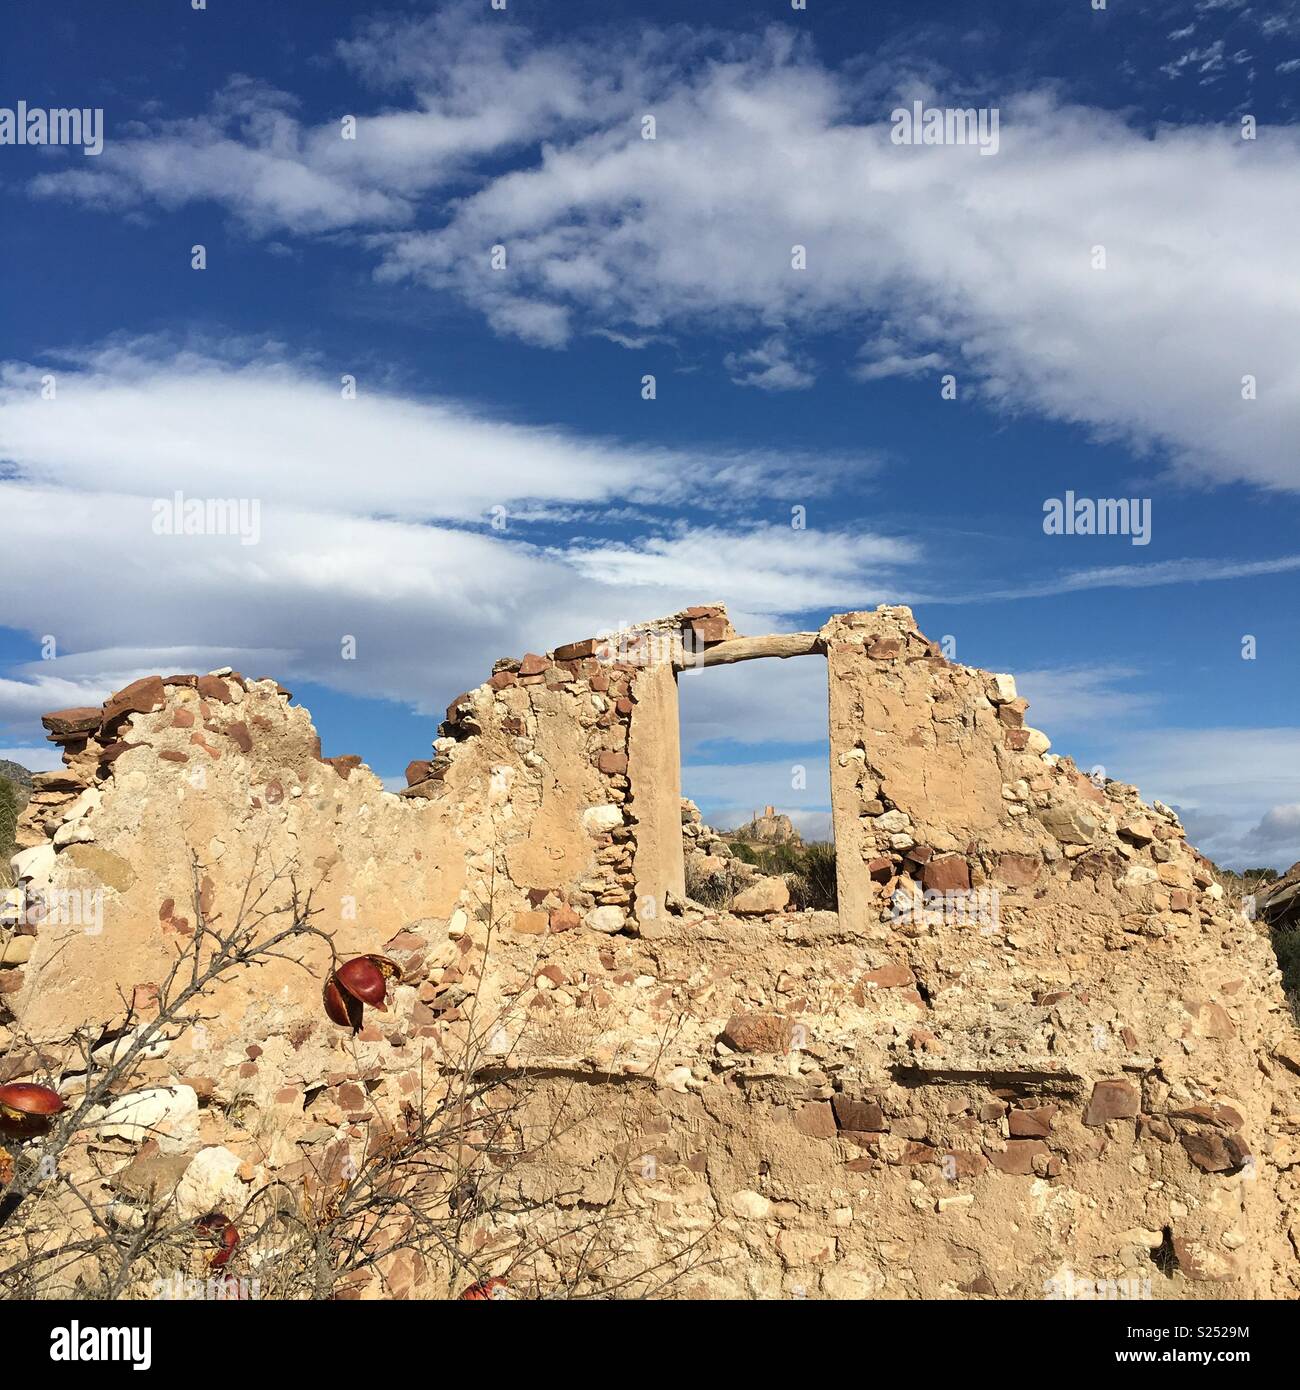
[
  {"x": 524, "y": 814},
  {"x": 1091, "y": 1074}
]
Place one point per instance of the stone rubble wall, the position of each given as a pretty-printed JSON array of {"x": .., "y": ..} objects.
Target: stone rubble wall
[{"x": 1095, "y": 1079}]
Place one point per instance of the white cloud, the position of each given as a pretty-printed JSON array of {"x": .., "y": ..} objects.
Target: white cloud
[
  {"x": 271, "y": 430},
  {"x": 43, "y": 758},
  {"x": 373, "y": 523},
  {"x": 985, "y": 263},
  {"x": 1080, "y": 697},
  {"x": 1280, "y": 826},
  {"x": 769, "y": 568},
  {"x": 1219, "y": 779},
  {"x": 771, "y": 367},
  {"x": 754, "y": 704},
  {"x": 733, "y": 792},
  {"x": 1153, "y": 574}
]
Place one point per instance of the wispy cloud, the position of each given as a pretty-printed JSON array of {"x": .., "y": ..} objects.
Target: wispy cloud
[
  {"x": 1153, "y": 575},
  {"x": 441, "y": 569},
  {"x": 985, "y": 264}
]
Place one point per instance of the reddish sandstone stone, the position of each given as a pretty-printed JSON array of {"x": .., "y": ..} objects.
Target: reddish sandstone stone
[
  {"x": 889, "y": 977},
  {"x": 533, "y": 665},
  {"x": 1018, "y": 1156},
  {"x": 214, "y": 688},
  {"x": 962, "y": 1163},
  {"x": 758, "y": 1033},
  {"x": 417, "y": 770},
  {"x": 113, "y": 751},
  {"x": 947, "y": 875},
  {"x": 1112, "y": 1100},
  {"x": 174, "y": 755},
  {"x": 82, "y": 719},
  {"x": 453, "y": 709},
  {"x": 816, "y": 1119},
  {"x": 709, "y": 630},
  {"x": 1199, "y": 1263},
  {"x": 612, "y": 764},
  {"x": 1031, "y": 1124},
  {"x": 213, "y": 753},
  {"x": 1212, "y": 1020},
  {"x": 1213, "y": 1152},
  {"x": 140, "y": 697},
  {"x": 574, "y": 651},
  {"x": 1012, "y": 714},
  {"x": 1018, "y": 870},
  {"x": 859, "y": 1115},
  {"x": 239, "y": 732},
  {"x": 564, "y": 918}
]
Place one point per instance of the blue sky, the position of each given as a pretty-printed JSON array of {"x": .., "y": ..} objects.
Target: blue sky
[{"x": 500, "y": 484}]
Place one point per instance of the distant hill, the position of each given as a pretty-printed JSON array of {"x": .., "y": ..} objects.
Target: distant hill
[{"x": 20, "y": 777}]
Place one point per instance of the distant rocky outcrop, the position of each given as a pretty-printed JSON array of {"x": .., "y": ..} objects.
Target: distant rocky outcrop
[{"x": 771, "y": 828}]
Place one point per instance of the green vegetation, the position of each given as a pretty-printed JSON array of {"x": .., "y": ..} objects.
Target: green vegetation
[
  {"x": 1286, "y": 942},
  {"x": 10, "y": 805},
  {"x": 15, "y": 788},
  {"x": 808, "y": 869},
  {"x": 1285, "y": 937},
  {"x": 714, "y": 890}
]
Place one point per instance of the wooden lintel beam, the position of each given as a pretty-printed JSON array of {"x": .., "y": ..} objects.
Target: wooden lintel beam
[{"x": 781, "y": 644}]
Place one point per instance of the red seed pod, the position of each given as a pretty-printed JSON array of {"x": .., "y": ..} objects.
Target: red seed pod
[
  {"x": 340, "y": 1007},
  {"x": 26, "y": 1105},
  {"x": 495, "y": 1289},
  {"x": 229, "y": 1239},
  {"x": 361, "y": 980},
  {"x": 366, "y": 978},
  {"x": 218, "y": 1225}
]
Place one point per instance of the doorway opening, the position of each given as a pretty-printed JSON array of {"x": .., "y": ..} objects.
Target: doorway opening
[{"x": 756, "y": 808}]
